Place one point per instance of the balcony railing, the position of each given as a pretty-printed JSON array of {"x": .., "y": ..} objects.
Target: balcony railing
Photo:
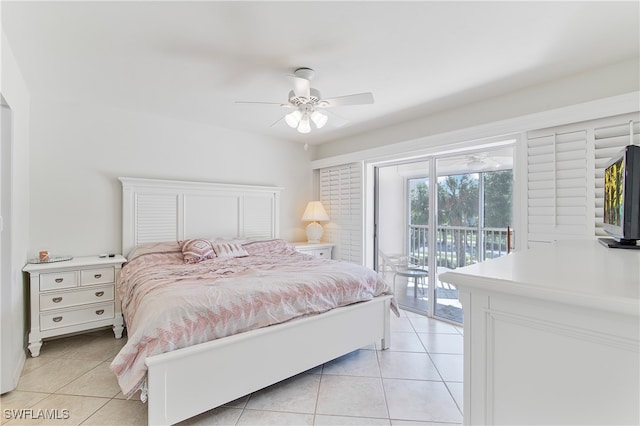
[{"x": 457, "y": 246}]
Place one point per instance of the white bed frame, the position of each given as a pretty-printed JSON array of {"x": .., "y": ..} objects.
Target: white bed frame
[{"x": 190, "y": 381}]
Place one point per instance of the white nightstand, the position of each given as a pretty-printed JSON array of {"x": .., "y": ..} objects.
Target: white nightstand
[
  {"x": 315, "y": 249},
  {"x": 72, "y": 296}
]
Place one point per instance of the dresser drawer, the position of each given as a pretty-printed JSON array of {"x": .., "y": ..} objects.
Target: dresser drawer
[
  {"x": 62, "y": 299},
  {"x": 76, "y": 316},
  {"x": 97, "y": 276},
  {"x": 56, "y": 280}
]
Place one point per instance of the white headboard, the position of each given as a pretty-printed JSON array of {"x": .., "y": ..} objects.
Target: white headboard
[{"x": 167, "y": 210}]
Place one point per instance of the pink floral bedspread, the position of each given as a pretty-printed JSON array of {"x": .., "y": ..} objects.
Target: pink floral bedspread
[{"x": 169, "y": 305}]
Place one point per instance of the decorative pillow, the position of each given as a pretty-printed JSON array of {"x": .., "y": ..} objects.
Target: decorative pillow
[
  {"x": 266, "y": 246},
  {"x": 195, "y": 251},
  {"x": 229, "y": 250}
]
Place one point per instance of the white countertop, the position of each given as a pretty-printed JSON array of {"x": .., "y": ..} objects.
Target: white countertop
[{"x": 578, "y": 272}]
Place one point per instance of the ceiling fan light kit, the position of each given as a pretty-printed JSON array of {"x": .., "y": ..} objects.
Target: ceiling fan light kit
[
  {"x": 319, "y": 119},
  {"x": 308, "y": 102},
  {"x": 300, "y": 118}
]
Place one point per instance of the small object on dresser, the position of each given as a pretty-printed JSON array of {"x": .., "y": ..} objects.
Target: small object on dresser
[
  {"x": 50, "y": 259},
  {"x": 43, "y": 255}
]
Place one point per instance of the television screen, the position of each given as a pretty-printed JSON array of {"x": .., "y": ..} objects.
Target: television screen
[
  {"x": 614, "y": 193},
  {"x": 622, "y": 199}
]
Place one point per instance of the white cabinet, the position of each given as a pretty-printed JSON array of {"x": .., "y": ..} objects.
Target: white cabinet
[
  {"x": 552, "y": 336},
  {"x": 72, "y": 296},
  {"x": 323, "y": 250}
]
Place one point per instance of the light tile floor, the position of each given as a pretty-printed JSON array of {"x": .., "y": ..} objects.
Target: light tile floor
[{"x": 417, "y": 381}]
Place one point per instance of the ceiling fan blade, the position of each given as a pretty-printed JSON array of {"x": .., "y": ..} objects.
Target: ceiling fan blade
[
  {"x": 277, "y": 121},
  {"x": 357, "y": 99},
  {"x": 335, "y": 120},
  {"x": 266, "y": 103},
  {"x": 301, "y": 87}
]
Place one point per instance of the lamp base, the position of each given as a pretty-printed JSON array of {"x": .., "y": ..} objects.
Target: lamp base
[{"x": 314, "y": 232}]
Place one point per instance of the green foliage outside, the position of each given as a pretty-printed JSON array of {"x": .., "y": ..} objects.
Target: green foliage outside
[
  {"x": 458, "y": 200},
  {"x": 458, "y": 206},
  {"x": 497, "y": 198},
  {"x": 419, "y": 192}
]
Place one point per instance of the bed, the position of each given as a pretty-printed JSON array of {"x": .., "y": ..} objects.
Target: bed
[{"x": 184, "y": 380}]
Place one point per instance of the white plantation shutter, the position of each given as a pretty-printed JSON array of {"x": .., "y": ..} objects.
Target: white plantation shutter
[
  {"x": 341, "y": 194},
  {"x": 557, "y": 185},
  {"x": 565, "y": 176},
  {"x": 609, "y": 141}
]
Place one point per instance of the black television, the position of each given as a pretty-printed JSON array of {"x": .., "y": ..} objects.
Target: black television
[{"x": 622, "y": 199}]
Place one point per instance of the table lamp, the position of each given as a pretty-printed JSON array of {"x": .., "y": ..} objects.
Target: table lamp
[{"x": 313, "y": 213}]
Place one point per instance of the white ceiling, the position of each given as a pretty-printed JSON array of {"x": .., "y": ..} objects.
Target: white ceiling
[{"x": 193, "y": 60}]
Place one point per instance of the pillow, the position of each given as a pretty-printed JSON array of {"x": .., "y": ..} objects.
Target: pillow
[
  {"x": 154, "y": 248},
  {"x": 232, "y": 240},
  {"x": 266, "y": 246},
  {"x": 229, "y": 250},
  {"x": 195, "y": 251}
]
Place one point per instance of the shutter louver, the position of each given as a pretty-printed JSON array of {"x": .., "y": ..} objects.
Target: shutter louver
[
  {"x": 341, "y": 195},
  {"x": 557, "y": 185},
  {"x": 609, "y": 141}
]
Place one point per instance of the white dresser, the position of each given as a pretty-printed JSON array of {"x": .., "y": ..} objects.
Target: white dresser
[
  {"x": 552, "y": 336},
  {"x": 72, "y": 296},
  {"x": 323, "y": 250}
]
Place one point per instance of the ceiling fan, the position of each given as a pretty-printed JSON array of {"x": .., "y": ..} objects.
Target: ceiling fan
[
  {"x": 308, "y": 105},
  {"x": 483, "y": 161}
]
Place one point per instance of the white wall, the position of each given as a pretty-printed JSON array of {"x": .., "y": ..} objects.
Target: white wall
[
  {"x": 13, "y": 292},
  {"x": 79, "y": 150},
  {"x": 608, "y": 81}
]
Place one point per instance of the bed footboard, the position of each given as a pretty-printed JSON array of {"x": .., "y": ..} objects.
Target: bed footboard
[{"x": 193, "y": 380}]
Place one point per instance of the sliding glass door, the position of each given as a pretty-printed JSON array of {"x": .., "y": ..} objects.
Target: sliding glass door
[{"x": 426, "y": 226}]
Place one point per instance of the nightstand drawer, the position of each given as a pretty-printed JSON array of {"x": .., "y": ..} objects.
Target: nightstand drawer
[
  {"x": 61, "y": 299},
  {"x": 58, "y": 280},
  {"x": 76, "y": 316},
  {"x": 96, "y": 276},
  {"x": 323, "y": 253},
  {"x": 320, "y": 250}
]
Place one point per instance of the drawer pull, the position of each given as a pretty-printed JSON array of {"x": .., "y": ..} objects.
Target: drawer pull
[
  {"x": 57, "y": 319},
  {"x": 100, "y": 312},
  {"x": 59, "y": 280},
  {"x": 57, "y": 299},
  {"x": 97, "y": 276},
  {"x": 99, "y": 293}
]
